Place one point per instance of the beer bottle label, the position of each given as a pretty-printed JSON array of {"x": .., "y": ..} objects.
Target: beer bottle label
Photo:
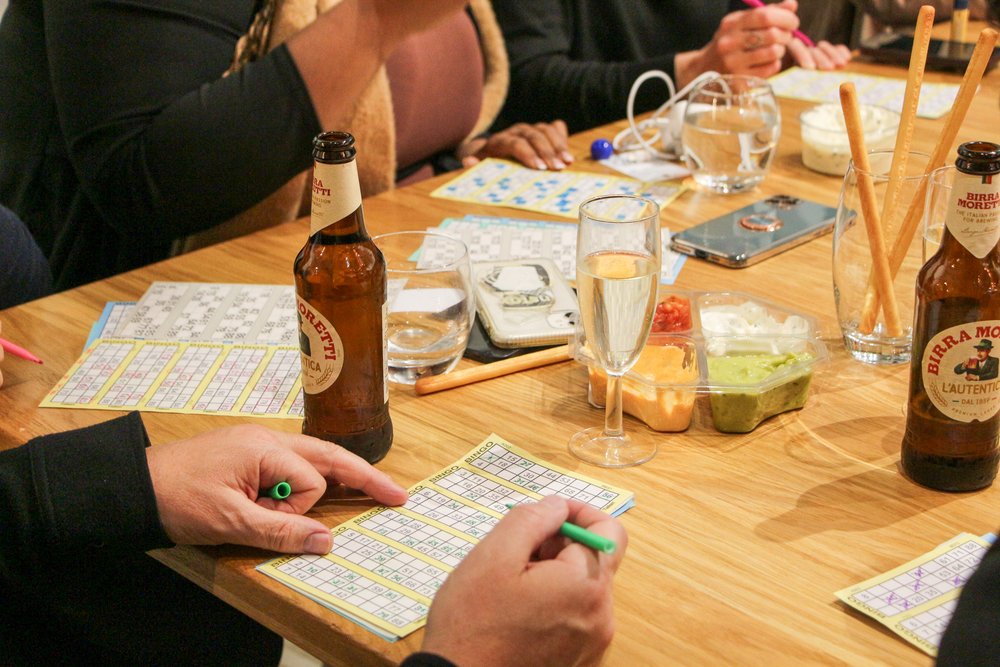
[
  {"x": 320, "y": 347},
  {"x": 973, "y": 216},
  {"x": 960, "y": 371},
  {"x": 336, "y": 193}
]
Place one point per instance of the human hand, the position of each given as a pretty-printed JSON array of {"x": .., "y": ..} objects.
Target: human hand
[
  {"x": 539, "y": 146},
  {"x": 823, "y": 56},
  {"x": 527, "y": 595},
  {"x": 751, "y": 41},
  {"x": 208, "y": 487}
]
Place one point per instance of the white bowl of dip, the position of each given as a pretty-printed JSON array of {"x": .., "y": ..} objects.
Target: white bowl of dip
[{"x": 825, "y": 147}]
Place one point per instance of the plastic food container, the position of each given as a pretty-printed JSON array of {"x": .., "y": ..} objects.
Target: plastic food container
[
  {"x": 749, "y": 358},
  {"x": 825, "y": 147}
]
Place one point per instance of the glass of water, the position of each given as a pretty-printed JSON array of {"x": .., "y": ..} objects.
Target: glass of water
[
  {"x": 430, "y": 305},
  {"x": 617, "y": 272},
  {"x": 730, "y": 132}
]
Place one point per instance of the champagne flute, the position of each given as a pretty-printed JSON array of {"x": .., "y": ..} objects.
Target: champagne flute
[{"x": 617, "y": 272}]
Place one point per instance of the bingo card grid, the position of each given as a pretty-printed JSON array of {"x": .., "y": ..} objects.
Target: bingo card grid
[
  {"x": 274, "y": 384},
  {"x": 390, "y": 563},
  {"x": 418, "y": 535},
  {"x": 930, "y": 625},
  {"x": 364, "y": 593},
  {"x": 448, "y": 512},
  {"x": 93, "y": 374},
  {"x": 923, "y": 583},
  {"x": 231, "y": 378},
  {"x": 480, "y": 490},
  {"x": 138, "y": 376},
  {"x": 183, "y": 380},
  {"x": 540, "y": 479}
]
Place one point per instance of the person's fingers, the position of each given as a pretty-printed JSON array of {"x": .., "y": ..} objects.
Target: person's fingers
[
  {"x": 560, "y": 127},
  {"x": 284, "y": 465},
  {"x": 801, "y": 54},
  {"x": 741, "y": 61},
  {"x": 529, "y": 144},
  {"x": 822, "y": 58},
  {"x": 470, "y": 161},
  {"x": 277, "y": 531},
  {"x": 838, "y": 54},
  {"x": 776, "y": 16},
  {"x": 336, "y": 463},
  {"x": 521, "y": 532}
]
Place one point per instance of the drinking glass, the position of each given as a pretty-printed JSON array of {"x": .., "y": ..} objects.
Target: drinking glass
[
  {"x": 938, "y": 193},
  {"x": 430, "y": 304},
  {"x": 617, "y": 272},
  {"x": 730, "y": 132},
  {"x": 863, "y": 325}
]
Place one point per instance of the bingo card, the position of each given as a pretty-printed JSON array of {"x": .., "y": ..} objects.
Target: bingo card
[
  {"x": 916, "y": 599},
  {"x": 388, "y": 562},
  {"x": 503, "y": 183},
  {"x": 936, "y": 99}
]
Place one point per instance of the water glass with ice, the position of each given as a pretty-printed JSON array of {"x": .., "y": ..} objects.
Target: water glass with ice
[{"x": 430, "y": 305}]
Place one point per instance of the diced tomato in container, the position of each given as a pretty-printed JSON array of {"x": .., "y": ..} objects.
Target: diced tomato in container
[{"x": 672, "y": 315}]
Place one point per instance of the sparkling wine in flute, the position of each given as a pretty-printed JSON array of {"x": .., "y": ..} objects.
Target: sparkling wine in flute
[{"x": 617, "y": 293}]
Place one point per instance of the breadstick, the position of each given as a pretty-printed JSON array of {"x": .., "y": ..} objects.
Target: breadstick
[
  {"x": 901, "y": 150},
  {"x": 966, "y": 93},
  {"x": 869, "y": 207},
  {"x": 430, "y": 384}
]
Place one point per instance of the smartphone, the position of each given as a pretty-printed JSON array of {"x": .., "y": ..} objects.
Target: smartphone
[
  {"x": 941, "y": 55},
  {"x": 482, "y": 349},
  {"x": 756, "y": 232}
]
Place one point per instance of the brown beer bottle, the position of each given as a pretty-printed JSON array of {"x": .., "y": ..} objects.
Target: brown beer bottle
[
  {"x": 340, "y": 293},
  {"x": 953, "y": 415}
]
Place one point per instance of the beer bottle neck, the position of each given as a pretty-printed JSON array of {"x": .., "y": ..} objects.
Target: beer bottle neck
[
  {"x": 972, "y": 219},
  {"x": 336, "y": 200}
]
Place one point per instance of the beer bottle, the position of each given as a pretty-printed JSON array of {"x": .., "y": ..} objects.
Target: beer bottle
[
  {"x": 340, "y": 293},
  {"x": 953, "y": 414}
]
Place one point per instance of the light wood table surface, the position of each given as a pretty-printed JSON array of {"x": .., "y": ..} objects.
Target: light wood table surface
[{"x": 737, "y": 542}]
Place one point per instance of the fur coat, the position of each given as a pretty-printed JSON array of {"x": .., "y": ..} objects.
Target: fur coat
[{"x": 371, "y": 121}]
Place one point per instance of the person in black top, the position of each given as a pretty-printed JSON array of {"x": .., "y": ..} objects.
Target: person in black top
[
  {"x": 119, "y": 134},
  {"x": 78, "y": 509},
  {"x": 24, "y": 272},
  {"x": 577, "y": 59}
]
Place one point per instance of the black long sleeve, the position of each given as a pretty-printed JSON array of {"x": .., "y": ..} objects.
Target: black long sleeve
[
  {"x": 118, "y": 132},
  {"x": 577, "y": 59},
  {"x": 971, "y": 638},
  {"x": 77, "y": 493}
]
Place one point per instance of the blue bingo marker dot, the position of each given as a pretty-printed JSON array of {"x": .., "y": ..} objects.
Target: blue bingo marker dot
[{"x": 601, "y": 149}]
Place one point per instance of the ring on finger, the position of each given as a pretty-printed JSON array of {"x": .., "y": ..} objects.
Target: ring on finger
[{"x": 753, "y": 40}]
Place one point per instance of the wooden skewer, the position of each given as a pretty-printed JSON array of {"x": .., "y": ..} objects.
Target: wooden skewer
[
  {"x": 966, "y": 93},
  {"x": 432, "y": 383},
  {"x": 869, "y": 207},
  {"x": 901, "y": 150}
]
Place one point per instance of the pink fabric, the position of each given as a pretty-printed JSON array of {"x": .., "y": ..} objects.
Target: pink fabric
[{"x": 436, "y": 78}]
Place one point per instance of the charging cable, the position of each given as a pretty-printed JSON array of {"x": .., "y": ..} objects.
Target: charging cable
[{"x": 666, "y": 128}]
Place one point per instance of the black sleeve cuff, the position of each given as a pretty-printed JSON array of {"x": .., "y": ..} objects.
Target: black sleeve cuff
[
  {"x": 93, "y": 487},
  {"x": 426, "y": 660}
]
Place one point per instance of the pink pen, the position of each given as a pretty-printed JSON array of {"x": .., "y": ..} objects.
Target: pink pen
[
  {"x": 804, "y": 38},
  {"x": 18, "y": 351}
]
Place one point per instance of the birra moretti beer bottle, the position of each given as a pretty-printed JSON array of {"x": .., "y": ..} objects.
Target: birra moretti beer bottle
[
  {"x": 953, "y": 415},
  {"x": 340, "y": 293}
]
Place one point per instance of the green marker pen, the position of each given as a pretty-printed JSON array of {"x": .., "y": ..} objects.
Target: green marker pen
[
  {"x": 279, "y": 491},
  {"x": 584, "y": 536}
]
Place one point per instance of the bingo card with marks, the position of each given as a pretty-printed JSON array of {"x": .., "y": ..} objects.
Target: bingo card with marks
[
  {"x": 212, "y": 348},
  {"x": 916, "y": 600},
  {"x": 504, "y": 183},
  {"x": 388, "y": 562}
]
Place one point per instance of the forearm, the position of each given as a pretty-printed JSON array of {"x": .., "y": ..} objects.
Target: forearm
[{"x": 76, "y": 494}]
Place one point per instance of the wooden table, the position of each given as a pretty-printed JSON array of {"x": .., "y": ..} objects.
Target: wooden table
[{"x": 738, "y": 542}]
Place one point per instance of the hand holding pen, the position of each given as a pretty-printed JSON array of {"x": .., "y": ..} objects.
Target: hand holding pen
[{"x": 525, "y": 581}]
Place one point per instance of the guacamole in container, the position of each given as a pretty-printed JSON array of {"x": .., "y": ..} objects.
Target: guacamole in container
[{"x": 749, "y": 388}]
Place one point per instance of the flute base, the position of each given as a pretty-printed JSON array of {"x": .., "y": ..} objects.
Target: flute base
[{"x": 592, "y": 446}]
